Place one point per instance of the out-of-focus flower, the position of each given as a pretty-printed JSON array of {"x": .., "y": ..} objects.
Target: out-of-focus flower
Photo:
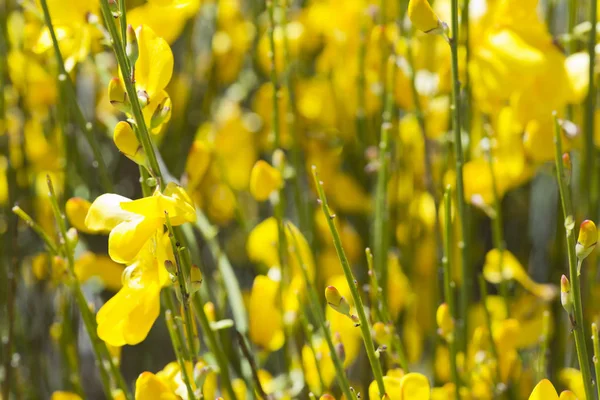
[
  {"x": 165, "y": 17},
  {"x": 544, "y": 390},
  {"x": 503, "y": 266},
  {"x": 90, "y": 265},
  {"x": 264, "y": 180},
  {"x": 149, "y": 386},
  {"x": 60, "y": 395},
  {"x": 422, "y": 16},
  {"x": 410, "y": 386},
  {"x": 265, "y": 315},
  {"x": 76, "y": 210},
  {"x": 573, "y": 380}
]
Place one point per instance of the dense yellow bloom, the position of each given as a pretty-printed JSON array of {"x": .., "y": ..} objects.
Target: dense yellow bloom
[{"x": 132, "y": 222}]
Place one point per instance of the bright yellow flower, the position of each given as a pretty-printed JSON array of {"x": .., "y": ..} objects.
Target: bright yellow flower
[
  {"x": 165, "y": 17},
  {"x": 265, "y": 315},
  {"x": 128, "y": 316},
  {"x": 544, "y": 390},
  {"x": 412, "y": 386},
  {"x": 76, "y": 210},
  {"x": 90, "y": 265},
  {"x": 128, "y": 144},
  {"x": 132, "y": 223}
]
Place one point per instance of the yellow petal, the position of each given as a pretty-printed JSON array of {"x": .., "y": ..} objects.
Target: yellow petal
[
  {"x": 266, "y": 325},
  {"x": 89, "y": 265},
  {"x": 106, "y": 213},
  {"x": 392, "y": 387},
  {"x": 127, "y": 142},
  {"x": 127, "y": 239},
  {"x": 148, "y": 387},
  {"x": 415, "y": 386},
  {"x": 77, "y": 210},
  {"x": 60, "y": 395},
  {"x": 544, "y": 391},
  {"x": 422, "y": 16},
  {"x": 567, "y": 395},
  {"x": 128, "y": 316},
  {"x": 264, "y": 180},
  {"x": 154, "y": 66}
]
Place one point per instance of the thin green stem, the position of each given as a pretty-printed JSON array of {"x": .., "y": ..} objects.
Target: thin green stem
[
  {"x": 37, "y": 229},
  {"x": 488, "y": 323},
  {"x": 123, "y": 19},
  {"x": 365, "y": 326},
  {"x": 65, "y": 81},
  {"x": 213, "y": 345},
  {"x": 178, "y": 348},
  {"x": 596, "y": 358},
  {"x": 381, "y": 234},
  {"x": 448, "y": 294},
  {"x": 252, "y": 362},
  {"x": 319, "y": 316},
  {"x": 578, "y": 326},
  {"x": 589, "y": 170},
  {"x": 183, "y": 275},
  {"x": 460, "y": 194},
  {"x": 99, "y": 348},
  {"x": 382, "y": 311}
]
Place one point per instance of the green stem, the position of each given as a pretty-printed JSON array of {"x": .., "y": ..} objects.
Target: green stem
[
  {"x": 123, "y": 19},
  {"x": 383, "y": 312},
  {"x": 365, "y": 326},
  {"x": 319, "y": 316},
  {"x": 213, "y": 345},
  {"x": 544, "y": 345},
  {"x": 252, "y": 362},
  {"x": 448, "y": 286},
  {"x": 178, "y": 348},
  {"x": 37, "y": 229},
  {"x": 488, "y": 322},
  {"x": 596, "y": 358},
  {"x": 380, "y": 234},
  {"x": 99, "y": 348},
  {"x": 589, "y": 171},
  {"x": 459, "y": 158},
  {"x": 65, "y": 81},
  {"x": 578, "y": 327}
]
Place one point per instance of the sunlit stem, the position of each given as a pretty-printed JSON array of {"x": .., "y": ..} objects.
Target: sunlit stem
[{"x": 179, "y": 352}]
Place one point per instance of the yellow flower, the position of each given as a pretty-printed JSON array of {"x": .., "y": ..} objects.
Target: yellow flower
[
  {"x": 573, "y": 380},
  {"x": 422, "y": 16},
  {"x": 265, "y": 315},
  {"x": 128, "y": 144},
  {"x": 132, "y": 223},
  {"x": 445, "y": 322},
  {"x": 343, "y": 326},
  {"x": 128, "y": 316},
  {"x": 264, "y": 180},
  {"x": 587, "y": 239},
  {"x": 510, "y": 269},
  {"x": 148, "y": 387},
  {"x": 165, "y": 17},
  {"x": 412, "y": 386}
]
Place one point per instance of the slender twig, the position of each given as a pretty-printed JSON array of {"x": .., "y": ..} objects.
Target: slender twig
[
  {"x": 178, "y": 348},
  {"x": 488, "y": 323},
  {"x": 460, "y": 194},
  {"x": 381, "y": 224},
  {"x": 65, "y": 81},
  {"x": 589, "y": 170},
  {"x": 319, "y": 316},
  {"x": 365, "y": 326},
  {"x": 578, "y": 326},
  {"x": 596, "y": 358},
  {"x": 101, "y": 352},
  {"x": 252, "y": 362},
  {"x": 448, "y": 294},
  {"x": 37, "y": 229},
  {"x": 382, "y": 311}
]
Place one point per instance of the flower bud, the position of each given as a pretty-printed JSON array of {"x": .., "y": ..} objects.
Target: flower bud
[
  {"x": 195, "y": 279},
  {"x": 422, "y": 16},
  {"x": 131, "y": 47},
  {"x": 170, "y": 267},
  {"x": 143, "y": 97},
  {"x": 586, "y": 241},
  {"x": 162, "y": 113},
  {"x": 445, "y": 322},
  {"x": 128, "y": 143},
  {"x": 264, "y": 180},
  {"x": 565, "y": 294},
  {"x": 118, "y": 96},
  {"x": 339, "y": 303}
]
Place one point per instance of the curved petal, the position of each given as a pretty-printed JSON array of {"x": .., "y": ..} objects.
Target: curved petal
[
  {"x": 106, "y": 213},
  {"x": 127, "y": 239},
  {"x": 154, "y": 65},
  {"x": 544, "y": 391}
]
